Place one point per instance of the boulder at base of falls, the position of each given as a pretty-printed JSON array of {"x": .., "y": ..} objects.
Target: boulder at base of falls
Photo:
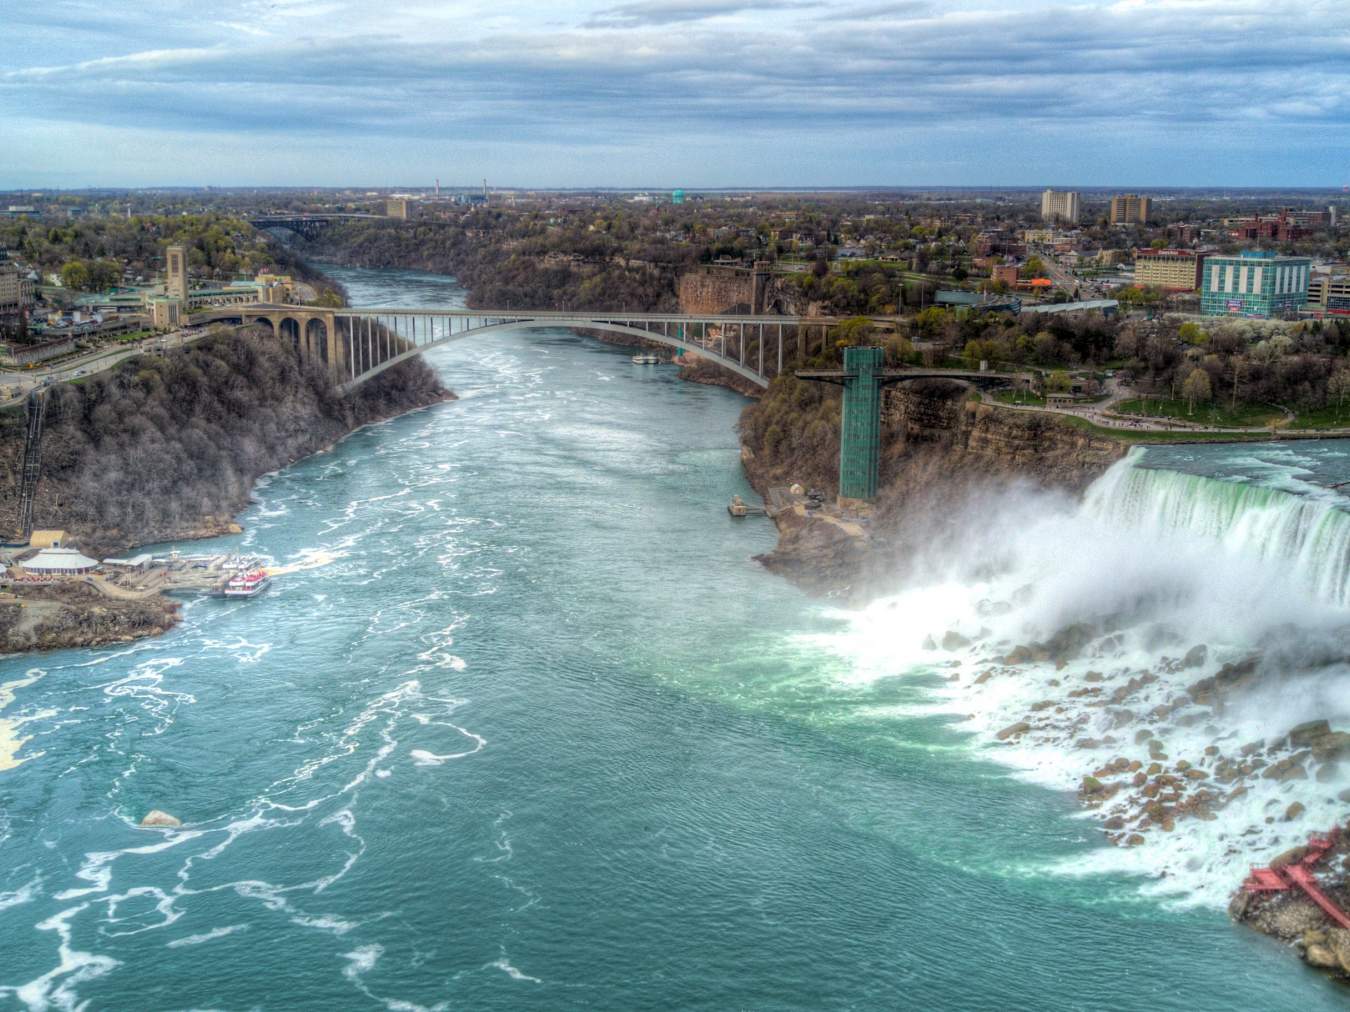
[
  {"x": 1305, "y": 734},
  {"x": 1013, "y": 730},
  {"x": 1195, "y": 656},
  {"x": 156, "y": 819},
  {"x": 954, "y": 641}
]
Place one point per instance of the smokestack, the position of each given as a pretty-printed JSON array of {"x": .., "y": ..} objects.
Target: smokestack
[
  {"x": 484, "y": 190},
  {"x": 438, "y": 186}
]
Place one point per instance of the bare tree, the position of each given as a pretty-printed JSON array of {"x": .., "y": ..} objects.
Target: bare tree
[{"x": 1196, "y": 387}]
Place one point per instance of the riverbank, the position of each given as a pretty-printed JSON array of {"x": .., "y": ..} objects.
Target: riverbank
[{"x": 167, "y": 447}]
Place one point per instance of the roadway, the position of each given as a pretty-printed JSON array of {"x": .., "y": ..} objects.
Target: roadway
[{"x": 90, "y": 363}]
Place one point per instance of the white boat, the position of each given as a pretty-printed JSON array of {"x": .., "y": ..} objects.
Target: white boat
[
  {"x": 646, "y": 358},
  {"x": 249, "y": 583}
]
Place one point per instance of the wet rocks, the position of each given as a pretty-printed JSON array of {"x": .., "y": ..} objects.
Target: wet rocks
[
  {"x": 1305, "y": 734},
  {"x": 155, "y": 819},
  {"x": 1195, "y": 656},
  {"x": 1093, "y": 791},
  {"x": 1288, "y": 768},
  {"x": 953, "y": 640},
  {"x": 1013, "y": 731}
]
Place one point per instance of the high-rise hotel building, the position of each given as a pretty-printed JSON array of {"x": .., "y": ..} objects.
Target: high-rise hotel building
[
  {"x": 1130, "y": 209},
  {"x": 1176, "y": 270},
  {"x": 1060, "y": 205},
  {"x": 1254, "y": 283}
]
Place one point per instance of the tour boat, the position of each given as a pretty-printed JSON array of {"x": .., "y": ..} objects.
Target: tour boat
[
  {"x": 247, "y": 584},
  {"x": 646, "y": 359}
]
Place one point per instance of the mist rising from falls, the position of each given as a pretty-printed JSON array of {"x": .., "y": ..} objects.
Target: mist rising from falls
[{"x": 1163, "y": 580}]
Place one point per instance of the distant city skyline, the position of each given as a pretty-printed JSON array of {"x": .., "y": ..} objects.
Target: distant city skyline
[{"x": 665, "y": 93}]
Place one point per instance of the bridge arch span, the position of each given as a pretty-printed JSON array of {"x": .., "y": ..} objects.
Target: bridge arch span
[
  {"x": 576, "y": 324},
  {"x": 260, "y": 321},
  {"x": 288, "y": 329}
]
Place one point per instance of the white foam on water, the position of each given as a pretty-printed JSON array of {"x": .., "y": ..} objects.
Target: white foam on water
[
  {"x": 1156, "y": 563},
  {"x": 362, "y": 960},
  {"x": 307, "y": 559},
  {"x": 206, "y": 936},
  {"x": 513, "y": 972},
  {"x": 10, "y": 742},
  {"x": 57, "y": 987},
  {"x": 26, "y": 893}
]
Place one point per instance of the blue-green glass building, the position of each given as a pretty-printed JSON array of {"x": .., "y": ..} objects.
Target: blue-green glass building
[{"x": 1255, "y": 283}]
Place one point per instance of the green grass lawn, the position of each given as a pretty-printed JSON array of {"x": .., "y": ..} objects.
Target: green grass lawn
[
  {"x": 1216, "y": 413},
  {"x": 1178, "y": 436},
  {"x": 1330, "y": 417}
]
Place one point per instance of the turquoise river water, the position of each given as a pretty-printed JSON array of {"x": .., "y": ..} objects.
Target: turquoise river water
[{"x": 523, "y": 725}]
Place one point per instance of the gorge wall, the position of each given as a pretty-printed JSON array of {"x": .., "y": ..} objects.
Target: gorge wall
[
  {"x": 169, "y": 446},
  {"x": 939, "y": 449}
]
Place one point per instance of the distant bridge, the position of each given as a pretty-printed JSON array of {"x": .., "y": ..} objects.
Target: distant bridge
[
  {"x": 360, "y": 343},
  {"x": 356, "y": 344},
  {"x": 307, "y": 225}
]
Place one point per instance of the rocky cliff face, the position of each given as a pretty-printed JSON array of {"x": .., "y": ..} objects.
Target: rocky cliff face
[
  {"x": 1025, "y": 445},
  {"x": 939, "y": 450},
  {"x": 715, "y": 288},
  {"x": 169, "y": 446}
]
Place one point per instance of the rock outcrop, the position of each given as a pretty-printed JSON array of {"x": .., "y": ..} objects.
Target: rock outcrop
[
  {"x": 940, "y": 448},
  {"x": 69, "y": 614},
  {"x": 1293, "y": 918}
]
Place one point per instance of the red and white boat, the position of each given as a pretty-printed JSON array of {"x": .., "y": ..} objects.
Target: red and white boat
[{"x": 249, "y": 583}]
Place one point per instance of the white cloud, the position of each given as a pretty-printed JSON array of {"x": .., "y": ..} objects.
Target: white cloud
[{"x": 751, "y": 79}]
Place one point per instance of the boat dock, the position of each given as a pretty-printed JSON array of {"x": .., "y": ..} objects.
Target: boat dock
[
  {"x": 177, "y": 573},
  {"x": 738, "y": 507}
]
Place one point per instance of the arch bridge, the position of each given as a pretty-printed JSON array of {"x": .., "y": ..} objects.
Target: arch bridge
[
  {"x": 307, "y": 225},
  {"x": 357, "y": 344}
]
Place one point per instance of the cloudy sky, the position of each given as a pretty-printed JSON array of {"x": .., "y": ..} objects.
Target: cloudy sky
[{"x": 696, "y": 93}]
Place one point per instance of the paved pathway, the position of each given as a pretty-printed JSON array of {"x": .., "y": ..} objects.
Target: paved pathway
[{"x": 1101, "y": 414}]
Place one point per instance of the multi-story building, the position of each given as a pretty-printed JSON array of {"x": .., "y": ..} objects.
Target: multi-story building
[
  {"x": 1177, "y": 270},
  {"x": 1282, "y": 227},
  {"x": 16, "y": 292},
  {"x": 1255, "y": 283},
  {"x": 1183, "y": 232},
  {"x": 1059, "y": 205},
  {"x": 1329, "y": 294},
  {"x": 1007, "y": 273},
  {"x": 1130, "y": 209}
]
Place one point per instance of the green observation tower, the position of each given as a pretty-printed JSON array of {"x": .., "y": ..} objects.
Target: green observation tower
[
  {"x": 862, "y": 377},
  {"x": 860, "y": 428}
]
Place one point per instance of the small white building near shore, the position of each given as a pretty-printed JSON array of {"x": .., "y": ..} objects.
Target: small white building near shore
[{"x": 59, "y": 562}]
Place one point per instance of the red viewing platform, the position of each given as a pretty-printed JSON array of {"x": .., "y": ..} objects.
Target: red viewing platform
[{"x": 1299, "y": 875}]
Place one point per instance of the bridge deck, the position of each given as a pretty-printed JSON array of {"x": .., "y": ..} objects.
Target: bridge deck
[{"x": 840, "y": 376}]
